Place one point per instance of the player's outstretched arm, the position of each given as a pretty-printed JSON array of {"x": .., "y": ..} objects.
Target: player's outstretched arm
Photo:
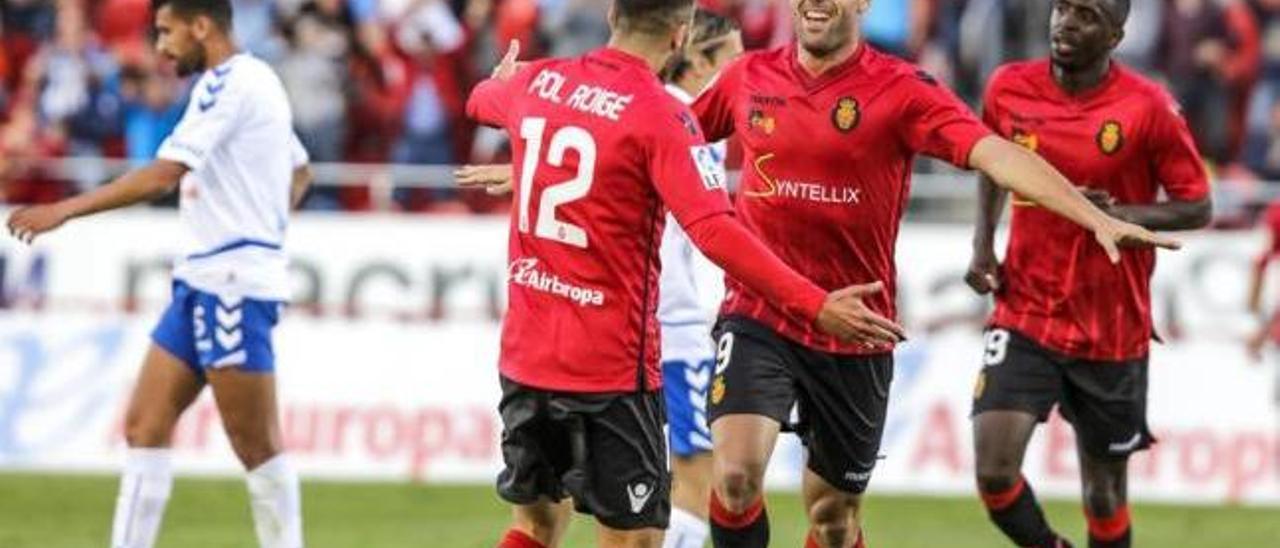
[
  {"x": 140, "y": 185},
  {"x": 841, "y": 313},
  {"x": 984, "y": 267},
  {"x": 1019, "y": 170},
  {"x": 1166, "y": 215}
]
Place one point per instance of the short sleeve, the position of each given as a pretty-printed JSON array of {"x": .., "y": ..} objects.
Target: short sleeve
[
  {"x": 297, "y": 153},
  {"x": 991, "y": 113},
  {"x": 214, "y": 112},
  {"x": 490, "y": 101},
  {"x": 486, "y": 104},
  {"x": 1174, "y": 157},
  {"x": 685, "y": 170},
  {"x": 936, "y": 122},
  {"x": 714, "y": 107}
]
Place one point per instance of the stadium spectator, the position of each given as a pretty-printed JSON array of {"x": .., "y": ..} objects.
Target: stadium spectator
[
  {"x": 1197, "y": 44},
  {"x": 1240, "y": 71},
  {"x": 1142, "y": 35},
  {"x": 4, "y": 78},
  {"x": 362, "y": 89},
  {"x": 428, "y": 39},
  {"x": 122, "y": 25},
  {"x": 579, "y": 24},
  {"x": 254, "y": 25},
  {"x": 1261, "y": 122},
  {"x": 73, "y": 80},
  {"x": 153, "y": 103},
  {"x": 314, "y": 72},
  {"x": 1262, "y": 149},
  {"x": 900, "y": 27}
]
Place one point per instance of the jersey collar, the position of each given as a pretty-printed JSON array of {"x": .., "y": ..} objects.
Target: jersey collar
[
  {"x": 222, "y": 70},
  {"x": 620, "y": 57},
  {"x": 812, "y": 83},
  {"x": 1051, "y": 87}
]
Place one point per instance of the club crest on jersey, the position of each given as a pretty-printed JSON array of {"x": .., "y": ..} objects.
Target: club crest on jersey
[
  {"x": 846, "y": 115},
  {"x": 1110, "y": 137},
  {"x": 1026, "y": 139},
  {"x": 980, "y": 386},
  {"x": 762, "y": 122},
  {"x": 717, "y": 390}
]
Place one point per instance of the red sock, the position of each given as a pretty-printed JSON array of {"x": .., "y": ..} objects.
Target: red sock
[
  {"x": 811, "y": 540},
  {"x": 998, "y": 502},
  {"x": 518, "y": 539},
  {"x": 722, "y": 516},
  {"x": 746, "y": 529},
  {"x": 1111, "y": 528}
]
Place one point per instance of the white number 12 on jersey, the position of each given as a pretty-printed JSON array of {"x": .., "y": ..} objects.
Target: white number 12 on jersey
[{"x": 566, "y": 139}]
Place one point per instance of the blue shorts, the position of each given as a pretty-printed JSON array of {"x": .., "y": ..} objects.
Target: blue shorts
[
  {"x": 685, "y": 387},
  {"x": 208, "y": 332}
]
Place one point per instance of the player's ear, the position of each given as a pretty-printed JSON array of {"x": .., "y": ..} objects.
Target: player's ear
[
  {"x": 1117, "y": 36},
  {"x": 612, "y": 17},
  {"x": 861, "y": 6},
  {"x": 680, "y": 38},
  {"x": 201, "y": 25}
]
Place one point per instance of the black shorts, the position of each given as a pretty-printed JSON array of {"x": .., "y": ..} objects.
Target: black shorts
[
  {"x": 607, "y": 451},
  {"x": 841, "y": 399},
  {"x": 1106, "y": 401}
]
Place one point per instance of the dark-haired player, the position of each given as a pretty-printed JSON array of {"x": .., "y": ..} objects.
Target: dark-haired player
[
  {"x": 240, "y": 168},
  {"x": 830, "y": 127},
  {"x": 687, "y": 280},
  {"x": 1070, "y": 328},
  {"x": 602, "y": 152}
]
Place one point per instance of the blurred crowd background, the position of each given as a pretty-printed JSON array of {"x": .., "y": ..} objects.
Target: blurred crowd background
[{"x": 385, "y": 81}]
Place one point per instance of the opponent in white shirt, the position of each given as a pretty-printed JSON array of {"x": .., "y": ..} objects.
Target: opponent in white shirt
[
  {"x": 240, "y": 168},
  {"x": 690, "y": 290}
]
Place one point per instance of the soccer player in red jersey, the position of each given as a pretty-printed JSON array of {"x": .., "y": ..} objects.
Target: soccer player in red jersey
[
  {"x": 1269, "y": 320},
  {"x": 1257, "y": 278},
  {"x": 688, "y": 352},
  {"x": 602, "y": 151},
  {"x": 1069, "y": 327},
  {"x": 830, "y": 127}
]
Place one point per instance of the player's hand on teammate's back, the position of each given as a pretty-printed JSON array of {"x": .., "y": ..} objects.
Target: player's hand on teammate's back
[
  {"x": 27, "y": 223},
  {"x": 984, "y": 272},
  {"x": 844, "y": 315},
  {"x": 494, "y": 179},
  {"x": 1114, "y": 234}
]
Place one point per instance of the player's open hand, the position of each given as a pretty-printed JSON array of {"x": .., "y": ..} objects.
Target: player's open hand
[
  {"x": 27, "y": 223},
  {"x": 1114, "y": 234},
  {"x": 509, "y": 65},
  {"x": 984, "y": 273},
  {"x": 848, "y": 318},
  {"x": 494, "y": 179}
]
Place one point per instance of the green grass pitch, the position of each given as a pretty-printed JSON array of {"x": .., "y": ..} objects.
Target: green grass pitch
[{"x": 62, "y": 511}]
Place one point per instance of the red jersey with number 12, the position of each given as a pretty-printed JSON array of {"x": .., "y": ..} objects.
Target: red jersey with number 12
[
  {"x": 598, "y": 147},
  {"x": 1126, "y": 137}
]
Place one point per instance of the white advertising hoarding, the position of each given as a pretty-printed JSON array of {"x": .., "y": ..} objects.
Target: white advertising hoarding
[{"x": 387, "y": 369}]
